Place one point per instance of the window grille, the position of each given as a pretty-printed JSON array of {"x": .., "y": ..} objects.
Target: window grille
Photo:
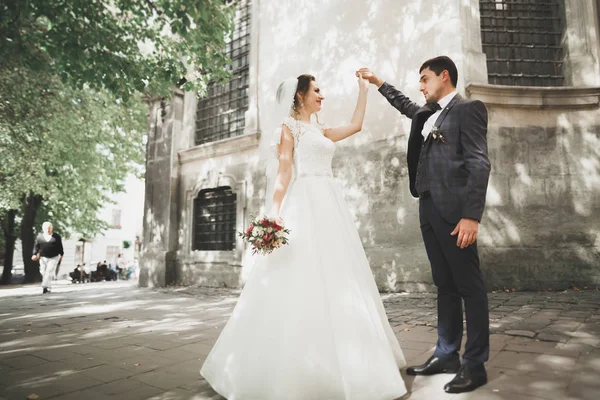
[
  {"x": 522, "y": 40},
  {"x": 215, "y": 219},
  {"x": 220, "y": 115}
]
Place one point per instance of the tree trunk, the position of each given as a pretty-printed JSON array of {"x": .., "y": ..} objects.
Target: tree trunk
[
  {"x": 32, "y": 268},
  {"x": 9, "y": 246}
]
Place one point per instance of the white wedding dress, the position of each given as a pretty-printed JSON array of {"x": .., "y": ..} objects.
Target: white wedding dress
[{"x": 309, "y": 323}]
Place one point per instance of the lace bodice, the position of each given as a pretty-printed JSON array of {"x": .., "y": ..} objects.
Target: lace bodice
[{"x": 313, "y": 152}]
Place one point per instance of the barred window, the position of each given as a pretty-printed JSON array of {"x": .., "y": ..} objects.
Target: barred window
[
  {"x": 220, "y": 115},
  {"x": 214, "y": 219},
  {"x": 522, "y": 41}
]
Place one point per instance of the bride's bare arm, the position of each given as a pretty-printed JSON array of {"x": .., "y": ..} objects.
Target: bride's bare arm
[
  {"x": 284, "y": 173},
  {"x": 356, "y": 123}
]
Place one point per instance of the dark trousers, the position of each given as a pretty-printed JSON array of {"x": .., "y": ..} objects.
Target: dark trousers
[{"x": 457, "y": 276}]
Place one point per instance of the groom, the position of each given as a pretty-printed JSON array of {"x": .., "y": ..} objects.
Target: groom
[{"x": 448, "y": 167}]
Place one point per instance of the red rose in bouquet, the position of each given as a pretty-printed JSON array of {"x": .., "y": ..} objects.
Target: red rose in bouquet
[{"x": 265, "y": 235}]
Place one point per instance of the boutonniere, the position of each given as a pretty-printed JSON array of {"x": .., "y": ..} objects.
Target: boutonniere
[{"x": 436, "y": 134}]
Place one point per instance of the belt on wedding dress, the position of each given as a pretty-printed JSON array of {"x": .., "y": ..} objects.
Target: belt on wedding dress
[{"x": 315, "y": 174}]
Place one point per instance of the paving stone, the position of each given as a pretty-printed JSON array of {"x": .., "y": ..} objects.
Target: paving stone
[
  {"x": 528, "y": 334},
  {"x": 157, "y": 345},
  {"x": 550, "y": 387},
  {"x": 142, "y": 392},
  {"x": 128, "y": 351},
  {"x": 162, "y": 380},
  {"x": 528, "y": 362},
  {"x": 180, "y": 355},
  {"x": 119, "y": 387},
  {"x": 559, "y": 351},
  {"x": 168, "y": 333},
  {"x": 55, "y": 354},
  {"x": 24, "y": 361},
  {"x": 182, "y": 394},
  {"x": 200, "y": 348},
  {"x": 81, "y": 362},
  {"x": 412, "y": 345},
  {"x": 49, "y": 386},
  {"x": 89, "y": 394},
  {"x": 107, "y": 373},
  {"x": 552, "y": 337},
  {"x": 585, "y": 385},
  {"x": 414, "y": 357},
  {"x": 139, "y": 365}
]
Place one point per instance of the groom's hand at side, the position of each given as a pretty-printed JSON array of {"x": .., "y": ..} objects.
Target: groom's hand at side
[
  {"x": 366, "y": 73},
  {"x": 467, "y": 232}
]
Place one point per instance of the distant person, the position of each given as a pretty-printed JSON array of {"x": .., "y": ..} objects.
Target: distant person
[
  {"x": 111, "y": 271},
  {"x": 78, "y": 274},
  {"x": 48, "y": 250},
  {"x": 120, "y": 265}
]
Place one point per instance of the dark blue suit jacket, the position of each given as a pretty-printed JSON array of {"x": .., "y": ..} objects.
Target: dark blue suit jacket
[{"x": 459, "y": 169}]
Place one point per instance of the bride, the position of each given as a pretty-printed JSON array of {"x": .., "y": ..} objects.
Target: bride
[{"x": 309, "y": 323}]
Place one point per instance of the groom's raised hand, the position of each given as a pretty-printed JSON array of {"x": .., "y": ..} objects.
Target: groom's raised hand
[{"x": 366, "y": 73}]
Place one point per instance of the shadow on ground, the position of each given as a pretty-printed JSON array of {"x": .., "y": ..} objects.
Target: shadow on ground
[{"x": 111, "y": 340}]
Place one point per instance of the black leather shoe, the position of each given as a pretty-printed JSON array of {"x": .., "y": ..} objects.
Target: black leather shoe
[
  {"x": 467, "y": 379},
  {"x": 46, "y": 290},
  {"x": 436, "y": 365}
]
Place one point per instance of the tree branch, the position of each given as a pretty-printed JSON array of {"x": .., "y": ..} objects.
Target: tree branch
[{"x": 151, "y": 4}]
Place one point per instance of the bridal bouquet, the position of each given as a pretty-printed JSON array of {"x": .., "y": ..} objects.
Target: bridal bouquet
[{"x": 265, "y": 235}]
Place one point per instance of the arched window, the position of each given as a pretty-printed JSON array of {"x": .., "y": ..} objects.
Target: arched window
[{"x": 215, "y": 219}]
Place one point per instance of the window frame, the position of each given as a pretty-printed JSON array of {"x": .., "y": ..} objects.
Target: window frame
[
  {"x": 527, "y": 57},
  {"x": 211, "y": 128},
  {"x": 232, "y": 257},
  {"x": 196, "y": 245},
  {"x": 582, "y": 90}
]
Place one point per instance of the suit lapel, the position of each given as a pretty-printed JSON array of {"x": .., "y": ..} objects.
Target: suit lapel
[
  {"x": 419, "y": 121},
  {"x": 440, "y": 120}
]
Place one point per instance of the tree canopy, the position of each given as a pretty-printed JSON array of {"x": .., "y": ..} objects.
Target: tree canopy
[
  {"x": 72, "y": 77},
  {"x": 72, "y": 147},
  {"x": 125, "y": 46}
]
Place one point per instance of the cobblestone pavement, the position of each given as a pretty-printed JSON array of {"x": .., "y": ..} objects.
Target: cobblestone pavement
[{"x": 111, "y": 340}]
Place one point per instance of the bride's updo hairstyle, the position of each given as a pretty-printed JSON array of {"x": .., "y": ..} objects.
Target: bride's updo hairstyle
[
  {"x": 304, "y": 81},
  {"x": 302, "y": 88}
]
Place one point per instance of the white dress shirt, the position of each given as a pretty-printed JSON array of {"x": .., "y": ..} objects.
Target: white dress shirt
[
  {"x": 47, "y": 237},
  {"x": 431, "y": 120}
]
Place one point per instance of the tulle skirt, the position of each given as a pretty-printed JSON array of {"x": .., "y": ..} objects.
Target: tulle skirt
[{"x": 309, "y": 323}]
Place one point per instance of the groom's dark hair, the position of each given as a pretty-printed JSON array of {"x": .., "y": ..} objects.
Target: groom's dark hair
[{"x": 438, "y": 64}]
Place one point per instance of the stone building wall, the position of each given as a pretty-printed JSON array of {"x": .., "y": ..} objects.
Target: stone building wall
[{"x": 541, "y": 227}]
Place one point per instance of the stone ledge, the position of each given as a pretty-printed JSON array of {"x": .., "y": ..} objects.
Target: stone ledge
[
  {"x": 231, "y": 257},
  {"x": 204, "y": 258},
  {"x": 535, "y": 97},
  {"x": 219, "y": 148}
]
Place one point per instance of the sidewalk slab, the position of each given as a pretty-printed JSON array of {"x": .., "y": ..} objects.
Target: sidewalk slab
[{"x": 112, "y": 340}]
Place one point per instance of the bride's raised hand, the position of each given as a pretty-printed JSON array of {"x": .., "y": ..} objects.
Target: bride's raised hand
[
  {"x": 363, "y": 83},
  {"x": 370, "y": 76}
]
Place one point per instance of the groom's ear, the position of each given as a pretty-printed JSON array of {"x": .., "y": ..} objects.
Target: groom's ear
[{"x": 446, "y": 76}]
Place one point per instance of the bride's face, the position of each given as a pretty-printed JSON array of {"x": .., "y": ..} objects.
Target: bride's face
[{"x": 313, "y": 98}]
